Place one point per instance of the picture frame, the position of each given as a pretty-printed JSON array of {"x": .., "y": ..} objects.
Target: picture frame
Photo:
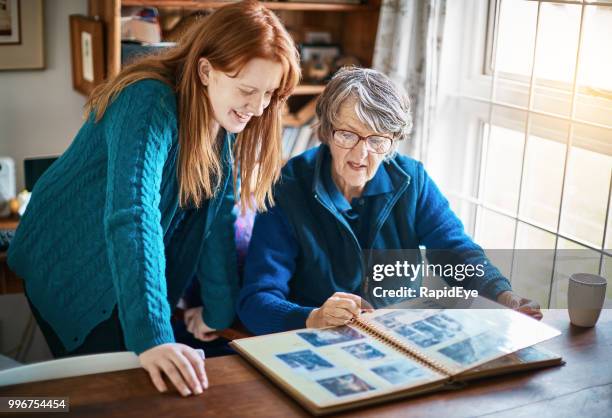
[
  {"x": 317, "y": 61},
  {"x": 21, "y": 35},
  {"x": 10, "y": 22},
  {"x": 318, "y": 37},
  {"x": 327, "y": 52},
  {"x": 87, "y": 49}
]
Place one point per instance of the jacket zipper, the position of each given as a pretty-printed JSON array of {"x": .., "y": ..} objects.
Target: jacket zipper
[
  {"x": 350, "y": 231},
  {"x": 383, "y": 218}
]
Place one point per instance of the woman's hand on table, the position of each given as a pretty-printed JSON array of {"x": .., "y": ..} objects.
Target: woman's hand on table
[
  {"x": 520, "y": 304},
  {"x": 182, "y": 364},
  {"x": 337, "y": 310},
  {"x": 196, "y": 325}
]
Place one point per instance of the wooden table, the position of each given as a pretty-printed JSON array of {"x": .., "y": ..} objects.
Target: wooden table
[{"x": 581, "y": 388}]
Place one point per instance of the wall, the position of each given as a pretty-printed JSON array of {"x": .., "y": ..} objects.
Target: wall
[{"x": 39, "y": 115}]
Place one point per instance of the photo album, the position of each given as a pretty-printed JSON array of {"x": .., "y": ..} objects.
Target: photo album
[{"x": 395, "y": 353}]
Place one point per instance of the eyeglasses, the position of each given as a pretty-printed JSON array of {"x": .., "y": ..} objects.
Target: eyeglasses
[{"x": 374, "y": 143}]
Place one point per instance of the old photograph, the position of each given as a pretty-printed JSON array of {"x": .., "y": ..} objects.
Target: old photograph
[
  {"x": 305, "y": 360},
  {"x": 364, "y": 351},
  {"x": 323, "y": 337},
  {"x": 444, "y": 322},
  {"x": 474, "y": 349},
  {"x": 400, "y": 372},
  {"x": 390, "y": 320},
  {"x": 344, "y": 385}
]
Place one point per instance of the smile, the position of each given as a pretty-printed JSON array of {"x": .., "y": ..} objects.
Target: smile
[{"x": 242, "y": 117}]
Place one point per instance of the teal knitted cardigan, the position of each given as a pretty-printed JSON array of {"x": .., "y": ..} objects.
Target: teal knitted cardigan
[{"x": 104, "y": 228}]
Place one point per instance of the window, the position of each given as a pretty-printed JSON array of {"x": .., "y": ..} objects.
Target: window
[{"x": 534, "y": 168}]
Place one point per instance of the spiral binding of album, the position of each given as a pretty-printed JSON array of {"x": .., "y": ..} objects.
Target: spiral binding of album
[{"x": 392, "y": 341}]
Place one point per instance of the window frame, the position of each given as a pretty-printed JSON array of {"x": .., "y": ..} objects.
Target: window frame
[{"x": 478, "y": 84}]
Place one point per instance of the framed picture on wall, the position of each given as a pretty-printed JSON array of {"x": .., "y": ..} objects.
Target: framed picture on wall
[
  {"x": 9, "y": 22},
  {"x": 21, "y": 35},
  {"x": 87, "y": 47}
]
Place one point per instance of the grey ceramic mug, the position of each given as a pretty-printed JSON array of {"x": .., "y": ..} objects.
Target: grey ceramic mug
[{"x": 585, "y": 297}]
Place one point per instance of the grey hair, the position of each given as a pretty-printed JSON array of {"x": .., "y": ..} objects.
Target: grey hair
[{"x": 381, "y": 105}]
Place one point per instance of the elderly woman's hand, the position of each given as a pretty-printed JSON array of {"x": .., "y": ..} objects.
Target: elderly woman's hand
[
  {"x": 337, "y": 310},
  {"x": 521, "y": 304}
]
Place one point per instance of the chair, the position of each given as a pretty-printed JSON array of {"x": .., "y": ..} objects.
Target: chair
[
  {"x": 68, "y": 367},
  {"x": 8, "y": 363}
]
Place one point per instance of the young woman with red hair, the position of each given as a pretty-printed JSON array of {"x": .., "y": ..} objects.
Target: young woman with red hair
[{"x": 141, "y": 201}]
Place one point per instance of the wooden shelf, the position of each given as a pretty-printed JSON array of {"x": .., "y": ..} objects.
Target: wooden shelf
[
  {"x": 9, "y": 222},
  {"x": 352, "y": 26},
  {"x": 305, "y": 89},
  {"x": 272, "y": 5},
  {"x": 302, "y": 116}
]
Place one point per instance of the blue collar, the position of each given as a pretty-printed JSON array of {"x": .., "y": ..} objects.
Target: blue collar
[
  {"x": 336, "y": 197},
  {"x": 389, "y": 178},
  {"x": 379, "y": 184},
  {"x": 394, "y": 178}
]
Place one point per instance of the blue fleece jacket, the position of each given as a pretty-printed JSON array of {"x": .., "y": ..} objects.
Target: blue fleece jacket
[
  {"x": 104, "y": 228},
  {"x": 304, "y": 249}
]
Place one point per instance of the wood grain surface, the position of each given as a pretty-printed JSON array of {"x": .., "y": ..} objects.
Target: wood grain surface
[{"x": 581, "y": 388}]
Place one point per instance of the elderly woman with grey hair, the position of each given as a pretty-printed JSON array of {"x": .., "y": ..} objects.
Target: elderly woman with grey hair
[{"x": 305, "y": 265}]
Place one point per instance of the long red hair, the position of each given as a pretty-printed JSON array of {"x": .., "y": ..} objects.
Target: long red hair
[{"x": 228, "y": 38}]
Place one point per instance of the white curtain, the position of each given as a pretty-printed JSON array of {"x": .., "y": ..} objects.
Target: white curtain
[{"x": 408, "y": 48}]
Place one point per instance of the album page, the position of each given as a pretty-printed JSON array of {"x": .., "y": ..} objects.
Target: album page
[
  {"x": 333, "y": 366},
  {"x": 457, "y": 340}
]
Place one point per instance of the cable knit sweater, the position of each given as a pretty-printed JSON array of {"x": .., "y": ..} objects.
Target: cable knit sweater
[{"x": 104, "y": 227}]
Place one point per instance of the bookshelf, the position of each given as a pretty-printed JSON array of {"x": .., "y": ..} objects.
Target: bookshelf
[
  {"x": 272, "y": 5},
  {"x": 352, "y": 27}
]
